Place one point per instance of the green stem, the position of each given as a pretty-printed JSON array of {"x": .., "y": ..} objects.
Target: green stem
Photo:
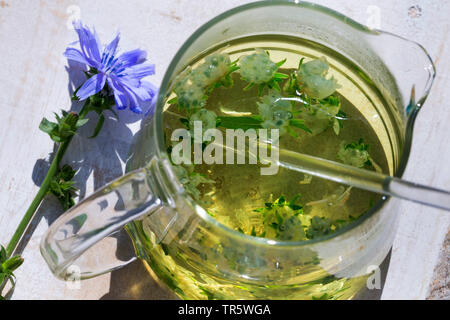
[{"x": 43, "y": 190}]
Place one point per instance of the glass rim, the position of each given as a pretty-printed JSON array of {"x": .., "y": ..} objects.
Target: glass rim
[{"x": 160, "y": 147}]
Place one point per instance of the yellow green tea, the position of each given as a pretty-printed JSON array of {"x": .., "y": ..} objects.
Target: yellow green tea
[{"x": 288, "y": 205}]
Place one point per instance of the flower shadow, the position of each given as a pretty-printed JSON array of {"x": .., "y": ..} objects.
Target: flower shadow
[
  {"x": 134, "y": 282},
  {"x": 97, "y": 161}
]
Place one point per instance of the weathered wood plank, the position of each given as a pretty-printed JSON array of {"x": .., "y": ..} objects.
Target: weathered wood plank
[{"x": 34, "y": 83}]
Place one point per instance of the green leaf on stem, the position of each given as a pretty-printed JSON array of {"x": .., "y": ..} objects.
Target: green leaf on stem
[
  {"x": 3, "y": 254},
  {"x": 11, "y": 264},
  {"x": 98, "y": 127},
  {"x": 7, "y": 266},
  {"x": 64, "y": 127},
  {"x": 81, "y": 122},
  {"x": 99, "y": 104}
]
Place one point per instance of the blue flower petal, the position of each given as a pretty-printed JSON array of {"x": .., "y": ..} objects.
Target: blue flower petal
[
  {"x": 110, "y": 51},
  {"x": 141, "y": 70},
  {"x": 131, "y": 58},
  {"x": 76, "y": 55},
  {"x": 130, "y": 82},
  {"x": 93, "y": 85},
  {"x": 146, "y": 91},
  {"x": 89, "y": 43},
  {"x": 136, "y": 108},
  {"x": 119, "y": 94},
  {"x": 134, "y": 85},
  {"x": 124, "y": 73},
  {"x": 133, "y": 100},
  {"x": 126, "y": 95},
  {"x": 142, "y": 93},
  {"x": 150, "y": 87}
]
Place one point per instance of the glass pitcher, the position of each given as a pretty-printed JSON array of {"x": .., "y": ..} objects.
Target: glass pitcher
[{"x": 199, "y": 258}]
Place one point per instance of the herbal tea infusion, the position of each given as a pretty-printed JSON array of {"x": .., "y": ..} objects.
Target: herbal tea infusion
[
  {"x": 220, "y": 97},
  {"x": 318, "y": 105}
]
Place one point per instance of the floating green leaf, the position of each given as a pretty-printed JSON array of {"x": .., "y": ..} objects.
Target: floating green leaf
[
  {"x": 299, "y": 123},
  {"x": 243, "y": 123}
]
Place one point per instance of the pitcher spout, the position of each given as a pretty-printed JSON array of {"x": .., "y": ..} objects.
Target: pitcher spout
[{"x": 410, "y": 65}]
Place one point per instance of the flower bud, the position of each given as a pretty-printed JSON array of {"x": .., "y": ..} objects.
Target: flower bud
[{"x": 71, "y": 119}]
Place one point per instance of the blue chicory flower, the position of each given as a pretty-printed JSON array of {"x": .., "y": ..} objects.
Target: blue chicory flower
[{"x": 123, "y": 74}]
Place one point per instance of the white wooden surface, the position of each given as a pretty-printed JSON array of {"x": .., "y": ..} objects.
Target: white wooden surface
[{"x": 34, "y": 83}]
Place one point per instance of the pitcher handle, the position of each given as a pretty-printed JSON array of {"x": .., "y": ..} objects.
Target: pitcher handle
[{"x": 96, "y": 217}]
